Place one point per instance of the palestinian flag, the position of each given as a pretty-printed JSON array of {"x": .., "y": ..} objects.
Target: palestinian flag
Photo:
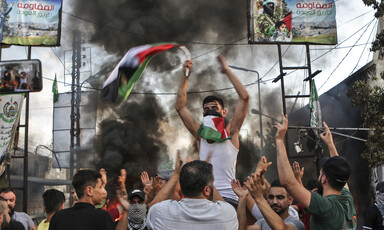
[
  {"x": 213, "y": 128},
  {"x": 288, "y": 21},
  {"x": 314, "y": 105},
  {"x": 128, "y": 71}
]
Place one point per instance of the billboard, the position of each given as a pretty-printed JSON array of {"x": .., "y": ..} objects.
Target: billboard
[
  {"x": 30, "y": 22},
  {"x": 292, "y": 21},
  {"x": 21, "y": 76}
]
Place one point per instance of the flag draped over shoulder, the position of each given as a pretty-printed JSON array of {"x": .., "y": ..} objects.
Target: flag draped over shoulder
[
  {"x": 314, "y": 105},
  {"x": 55, "y": 90},
  {"x": 128, "y": 71}
]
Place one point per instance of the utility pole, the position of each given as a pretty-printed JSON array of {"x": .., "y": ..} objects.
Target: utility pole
[{"x": 75, "y": 102}]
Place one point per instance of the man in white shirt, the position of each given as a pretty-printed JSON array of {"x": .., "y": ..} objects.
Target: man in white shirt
[
  {"x": 199, "y": 209},
  {"x": 216, "y": 139}
]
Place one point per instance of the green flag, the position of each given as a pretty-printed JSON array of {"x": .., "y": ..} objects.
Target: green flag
[
  {"x": 314, "y": 105},
  {"x": 55, "y": 91}
]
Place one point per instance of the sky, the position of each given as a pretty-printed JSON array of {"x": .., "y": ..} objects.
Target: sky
[{"x": 356, "y": 28}]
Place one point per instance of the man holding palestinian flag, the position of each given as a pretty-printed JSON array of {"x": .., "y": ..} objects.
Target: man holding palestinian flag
[
  {"x": 216, "y": 140},
  {"x": 130, "y": 68}
]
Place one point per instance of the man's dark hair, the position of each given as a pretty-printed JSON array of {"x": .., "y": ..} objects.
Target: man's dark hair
[
  {"x": 278, "y": 24},
  {"x": 84, "y": 178},
  {"x": 6, "y": 190},
  {"x": 276, "y": 183},
  {"x": 212, "y": 98},
  {"x": 194, "y": 176},
  {"x": 53, "y": 200},
  {"x": 337, "y": 171}
]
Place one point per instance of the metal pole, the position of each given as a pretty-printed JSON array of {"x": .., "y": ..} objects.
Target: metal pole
[
  {"x": 75, "y": 103},
  {"x": 25, "y": 180},
  {"x": 260, "y": 117},
  {"x": 283, "y": 93}
]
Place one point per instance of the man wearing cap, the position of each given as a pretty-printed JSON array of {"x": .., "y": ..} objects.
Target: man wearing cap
[
  {"x": 137, "y": 210},
  {"x": 374, "y": 216},
  {"x": 217, "y": 141},
  {"x": 333, "y": 210},
  {"x": 265, "y": 21}
]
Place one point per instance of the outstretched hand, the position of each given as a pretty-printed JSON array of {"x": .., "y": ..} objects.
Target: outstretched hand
[
  {"x": 281, "y": 128},
  {"x": 121, "y": 179},
  {"x": 145, "y": 178},
  {"x": 326, "y": 136},
  {"x": 262, "y": 166},
  {"x": 297, "y": 171},
  {"x": 123, "y": 201},
  {"x": 240, "y": 191},
  {"x": 223, "y": 64},
  {"x": 187, "y": 68},
  {"x": 255, "y": 186}
]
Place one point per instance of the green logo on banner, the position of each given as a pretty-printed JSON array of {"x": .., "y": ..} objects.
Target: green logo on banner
[{"x": 10, "y": 110}]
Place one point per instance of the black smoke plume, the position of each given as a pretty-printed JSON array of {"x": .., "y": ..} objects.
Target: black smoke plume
[{"x": 131, "y": 139}]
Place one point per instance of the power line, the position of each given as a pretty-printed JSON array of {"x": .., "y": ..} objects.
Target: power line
[
  {"x": 344, "y": 57},
  {"x": 363, "y": 51}
]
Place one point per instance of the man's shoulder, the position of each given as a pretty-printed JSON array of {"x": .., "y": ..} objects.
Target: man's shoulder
[
  {"x": 21, "y": 214},
  {"x": 296, "y": 223}
]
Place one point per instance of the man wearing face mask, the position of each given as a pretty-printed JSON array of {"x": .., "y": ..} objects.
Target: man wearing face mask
[
  {"x": 137, "y": 211},
  {"x": 265, "y": 21},
  {"x": 217, "y": 141}
]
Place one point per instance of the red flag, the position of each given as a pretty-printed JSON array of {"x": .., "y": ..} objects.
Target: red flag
[{"x": 288, "y": 21}]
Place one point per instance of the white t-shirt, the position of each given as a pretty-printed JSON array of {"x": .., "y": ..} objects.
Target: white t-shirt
[
  {"x": 296, "y": 223},
  {"x": 23, "y": 218},
  {"x": 223, "y": 160},
  {"x": 192, "y": 214}
]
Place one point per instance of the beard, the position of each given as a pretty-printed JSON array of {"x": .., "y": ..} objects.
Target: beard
[
  {"x": 278, "y": 209},
  {"x": 210, "y": 197},
  {"x": 11, "y": 211}
]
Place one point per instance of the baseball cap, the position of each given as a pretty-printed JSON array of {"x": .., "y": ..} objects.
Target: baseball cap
[
  {"x": 136, "y": 192},
  {"x": 337, "y": 168},
  {"x": 165, "y": 174}
]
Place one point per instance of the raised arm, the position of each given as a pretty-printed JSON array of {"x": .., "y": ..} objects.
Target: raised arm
[
  {"x": 274, "y": 221},
  {"x": 181, "y": 102},
  {"x": 326, "y": 136},
  {"x": 242, "y": 105},
  {"x": 286, "y": 176},
  {"x": 169, "y": 187},
  {"x": 242, "y": 193},
  {"x": 123, "y": 223},
  {"x": 148, "y": 187},
  {"x": 298, "y": 172}
]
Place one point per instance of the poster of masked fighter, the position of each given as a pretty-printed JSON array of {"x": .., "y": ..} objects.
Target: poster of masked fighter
[{"x": 293, "y": 21}]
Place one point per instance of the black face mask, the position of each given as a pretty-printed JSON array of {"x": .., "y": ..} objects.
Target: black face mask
[
  {"x": 269, "y": 10},
  {"x": 212, "y": 113}
]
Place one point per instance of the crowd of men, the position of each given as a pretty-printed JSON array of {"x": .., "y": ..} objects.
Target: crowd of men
[{"x": 205, "y": 194}]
